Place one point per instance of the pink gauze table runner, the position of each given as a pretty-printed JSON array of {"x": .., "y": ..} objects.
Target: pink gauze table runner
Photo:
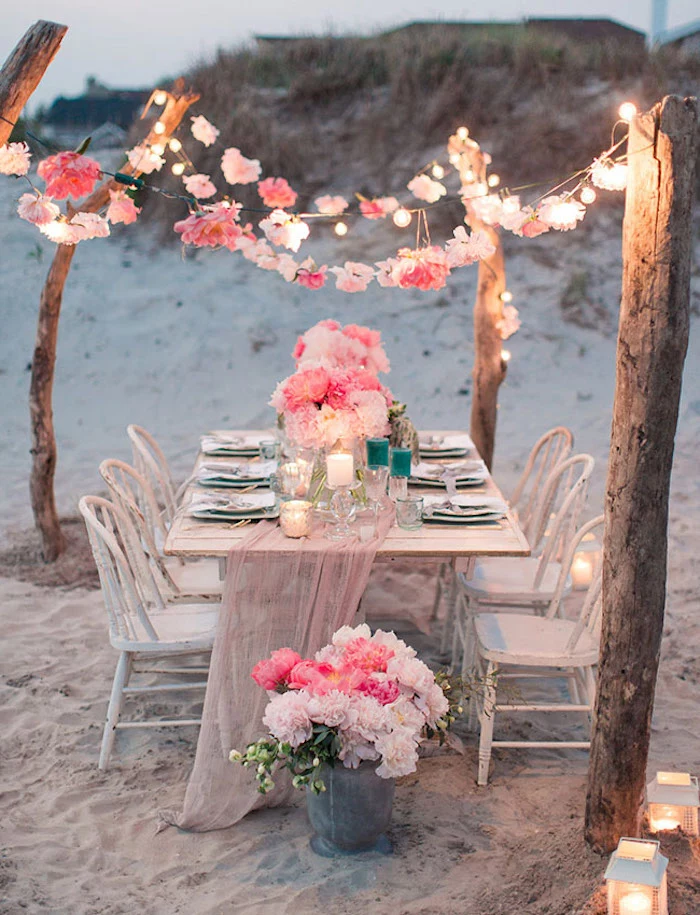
[{"x": 274, "y": 597}]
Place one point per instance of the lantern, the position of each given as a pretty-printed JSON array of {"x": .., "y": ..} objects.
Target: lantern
[
  {"x": 673, "y": 800},
  {"x": 585, "y": 563},
  {"x": 636, "y": 879}
]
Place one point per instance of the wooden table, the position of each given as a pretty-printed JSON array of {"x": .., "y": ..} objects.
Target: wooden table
[{"x": 191, "y": 539}]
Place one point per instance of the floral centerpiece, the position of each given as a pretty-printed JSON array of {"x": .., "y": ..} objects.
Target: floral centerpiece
[{"x": 363, "y": 697}]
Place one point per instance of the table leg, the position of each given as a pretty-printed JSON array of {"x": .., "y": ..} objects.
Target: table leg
[
  {"x": 222, "y": 568},
  {"x": 464, "y": 564}
]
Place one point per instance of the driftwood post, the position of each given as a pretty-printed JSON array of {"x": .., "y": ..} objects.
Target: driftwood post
[
  {"x": 489, "y": 367},
  {"x": 652, "y": 342},
  {"x": 23, "y": 70},
  {"x": 43, "y": 364}
]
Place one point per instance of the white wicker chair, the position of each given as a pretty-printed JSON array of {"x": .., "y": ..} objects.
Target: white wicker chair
[
  {"x": 527, "y": 583},
  {"x": 138, "y": 633},
  {"x": 189, "y": 581},
  {"x": 512, "y": 646},
  {"x": 152, "y": 464}
]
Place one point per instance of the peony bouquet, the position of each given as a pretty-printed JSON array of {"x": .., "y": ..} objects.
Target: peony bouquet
[
  {"x": 363, "y": 697},
  {"x": 335, "y": 392}
]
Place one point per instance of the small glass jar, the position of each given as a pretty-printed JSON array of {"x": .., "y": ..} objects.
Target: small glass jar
[
  {"x": 295, "y": 518},
  {"x": 409, "y": 512}
]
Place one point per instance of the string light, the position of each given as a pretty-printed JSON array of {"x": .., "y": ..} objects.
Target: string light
[
  {"x": 505, "y": 355},
  {"x": 158, "y": 148},
  {"x": 506, "y": 296},
  {"x": 493, "y": 180},
  {"x": 175, "y": 144},
  {"x": 160, "y": 97},
  {"x": 159, "y": 127},
  {"x": 402, "y": 218},
  {"x": 438, "y": 171},
  {"x": 588, "y": 195},
  {"x": 627, "y": 111},
  {"x": 178, "y": 168},
  {"x": 341, "y": 229},
  {"x": 462, "y": 133}
]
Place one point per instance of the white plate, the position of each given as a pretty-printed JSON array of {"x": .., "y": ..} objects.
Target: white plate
[
  {"x": 486, "y": 520},
  {"x": 222, "y": 515},
  {"x": 440, "y": 484}
]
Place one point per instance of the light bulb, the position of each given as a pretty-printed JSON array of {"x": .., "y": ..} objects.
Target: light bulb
[
  {"x": 160, "y": 97},
  {"x": 341, "y": 229},
  {"x": 178, "y": 168},
  {"x": 462, "y": 133},
  {"x": 402, "y": 218},
  {"x": 588, "y": 195},
  {"x": 627, "y": 111},
  {"x": 438, "y": 171},
  {"x": 455, "y": 159},
  {"x": 506, "y": 296},
  {"x": 159, "y": 127},
  {"x": 158, "y": 148},
  {"x": 505, "y": 355},
  {"x": 175, "y": 144},
  {"x": 494, "y": 180}
]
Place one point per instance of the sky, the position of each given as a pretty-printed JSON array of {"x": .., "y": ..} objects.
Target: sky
[{"x": 128, "y": 43}]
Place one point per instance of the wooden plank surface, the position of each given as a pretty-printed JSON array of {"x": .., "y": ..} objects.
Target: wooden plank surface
[{"x": 191, "y": 538}]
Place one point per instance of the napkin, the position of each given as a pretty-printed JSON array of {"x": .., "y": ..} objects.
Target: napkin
[
  {"x": 250, "y": 502},
  {"x": 255, "y": 470},
  {"x": 469, "y": 506},
  {"x": 445, "y": 442},
  {"x": 461, "y": 470}
]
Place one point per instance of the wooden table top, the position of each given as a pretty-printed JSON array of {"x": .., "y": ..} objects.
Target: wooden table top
[{"x": 192, "y": 538}]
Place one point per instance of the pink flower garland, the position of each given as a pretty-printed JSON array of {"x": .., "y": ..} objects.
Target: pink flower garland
[{"x": 68, "y": 174}]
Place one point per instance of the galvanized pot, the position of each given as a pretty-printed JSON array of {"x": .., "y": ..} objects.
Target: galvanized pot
[{"x": 353, "y": 812}]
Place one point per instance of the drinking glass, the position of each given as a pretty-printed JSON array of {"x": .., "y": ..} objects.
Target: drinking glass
[
  {"x": 269, "y": 449},
  {"x": 375, "y": 478},
  {"x": 409, "y": 513},
  {"x": 343, "y": 508}
]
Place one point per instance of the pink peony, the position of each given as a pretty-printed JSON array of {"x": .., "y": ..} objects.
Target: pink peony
[
  {"x": 14, "y": 159},
  {"x": 37, "y": 209},
  {"x": 433, "y": 704},
  {"x": 424, "y": 188},
  {"x": 211, "y": 227},
  {"x": 276, "y": 192},
  {"x": 287, "y": 717},
  {"x": 199, "y": 186},
  {"x": 397, "y": 645},
  {"x": 422, "y": 268},
  {"x": 385, "y": 692},
  {"x": 334, "y": 709},
  {"x": 142, "y": 159},
  {"x": 398, "y": 750},
  {"x": 122, "y": 208},
  {"x": 373, "y": 718},
  {"x": 367, "y": 655},
  {"x": 68, "y": 174},
  {"x": 272, "y": 673},
  {"x": 379, "y": 208},
  {"x": 346, "y": 634},
  {"x": 331, "y": 206},
  {"x": 203, "y": 130},
  {"x": 237, "y": 169},
  {"x": 354, "y": 748},
  {"x": 353, "y": 277},
  {"x": 308, "y": 386},
  {"x": 411, "y": 673},
  {"x": 320, "y": 678},
  {"x": 310, "y": 276},
  {"x": 532, "y": 228}
]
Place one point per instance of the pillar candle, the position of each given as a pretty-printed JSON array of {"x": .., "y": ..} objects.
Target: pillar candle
[
  {"x": 378, "y": 451},
  {"x": 401, "y": 462},
  {"x": 340, "y": 470}
]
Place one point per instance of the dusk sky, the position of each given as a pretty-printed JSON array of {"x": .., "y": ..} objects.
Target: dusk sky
[{"x": 134, "y": 43}]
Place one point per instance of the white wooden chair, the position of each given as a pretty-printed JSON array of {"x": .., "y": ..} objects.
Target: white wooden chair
[
  {"x": 511, "y": 646},
  {"x": 195, "y": 581},
  {"x": 152, "y": 464},
  {"x": 528, "y": 582},
  {"x": 139, "y": 633},
  {"x": 548, "y": 451}
]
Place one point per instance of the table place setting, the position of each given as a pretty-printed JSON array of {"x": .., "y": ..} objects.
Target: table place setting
[
  {"x": 225, "y": 444},
  {"x": 458, "y": 473},
  {"x": 223, "y": 475},
  {"x": 464, "y": 509},
  {"x": 251, "y": 506},
  {"x": 445, "y": 446}
]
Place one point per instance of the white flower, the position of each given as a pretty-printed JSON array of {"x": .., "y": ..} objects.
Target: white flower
[
  {"x": 509, "y": 323},
  {"x": 93, "y": 225},
  {"x": 473, "y": 189},
  {"x": 609, "y": 175},
  {"x": 372, "y": 719},
  {"x": 406, "y": 714},
  {"x": 199, "y": 186},
  {"x": 331, "y": 206},
  {"x": 433, "y": 704},
  {"x": 354, "y": 748},
  {"x": 38, "y": 209},
  {"x": 398, "y": 752},
  {"x": 287, "y": 717},
  {"x": 412, "y": 673},
  {"x": 392, "y": 641},
  {"x": 237, "y": 169},
  {"x": 487, "y": 209},
  {"x": 287, "y": 267},
  {"x": 466, "y": 249},
  {"x": 385, "y": 276},
  {"x": 347, "y": 634},
  {"x": 424, "y": 188},
  {"x": 561, "y": 213},
  {"x": 353, "y": 277},
  {"x": 143, "y": 159},
  {"x": 282, "y": 229},
  {"x": 14, "y": 159},
  {"x": 203, "y": 131},
  {"x": 334, "y": 709}
]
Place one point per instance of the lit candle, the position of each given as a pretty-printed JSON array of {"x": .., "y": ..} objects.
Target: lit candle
[
  {"x": 664, "y": 818},
  {"x": 340, "y": 470},
  {"x": 295, "y": 518},
  {"x": 581, "y": 572},
  {"x": 636, "y": 903}
]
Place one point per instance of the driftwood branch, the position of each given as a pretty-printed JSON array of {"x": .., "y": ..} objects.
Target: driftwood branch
[
  {"x": 652, "y": 343},
  {"x": 41, "y": 482},
  {"x": 23, "y": 70}
]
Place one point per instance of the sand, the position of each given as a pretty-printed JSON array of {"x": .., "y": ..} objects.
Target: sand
[{"x": 183, "y": 345}]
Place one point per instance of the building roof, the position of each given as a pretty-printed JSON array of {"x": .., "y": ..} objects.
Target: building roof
[{"x": 680, "y": 32}]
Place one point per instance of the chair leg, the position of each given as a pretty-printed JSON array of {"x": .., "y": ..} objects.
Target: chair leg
[
  {"x": 438, "y": 595},
  {"x": 451, "y": 610},
  {"x": 121, "y": 678},
  {"x": 486, "y": 719}
]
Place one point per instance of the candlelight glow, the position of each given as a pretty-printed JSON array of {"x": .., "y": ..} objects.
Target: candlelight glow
[
  {"x": 340, "y": 229},
  {"x": 462, "y": 133},
  {"x": 160, "y": 97},
  {"x": 438, "y": 171},
  {"x": 588, "y": 195},
  {"x": 159, "y": 127},
  {"x": 175, "y": 144},
  {"x": 627, "y": 111},
  {"x": 494, "y": 180},
  {"x": 178, "y": 168},
  {"x": 402, "y": 218}
]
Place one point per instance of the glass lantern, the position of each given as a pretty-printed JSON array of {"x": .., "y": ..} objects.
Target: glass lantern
[
  {"x": 585, "y": 563},
  {"x": 636, "y": 879},
  {"x": 672, "y": 801}
]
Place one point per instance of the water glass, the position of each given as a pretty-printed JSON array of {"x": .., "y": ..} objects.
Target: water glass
[
  {"x": 409, "y": 513},
  {"x": 269, "y": 449},
  {"x": 375, "y": 479}
]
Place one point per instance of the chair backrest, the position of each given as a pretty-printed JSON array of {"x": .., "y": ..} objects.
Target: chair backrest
[
  {"x": 589, "y": 616},
  {"x": 108, "y": 529},
  {"x": 152, "y": 464},
  {"x": 133, "y": 494},
  {"x": 548, "y": 451},
  {"x": 565, "y": 491}
]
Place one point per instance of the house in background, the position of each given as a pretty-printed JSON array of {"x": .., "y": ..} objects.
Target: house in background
[
  {"x": 104, "y": 114},
  {"x": 685, "y": 37}
]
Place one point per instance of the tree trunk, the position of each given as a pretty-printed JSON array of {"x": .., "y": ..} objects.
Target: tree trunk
[
  {"x": 40, "y": 396},
  {"x": 652, "y": 342},
  {"x": 23, "y": 70}
]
